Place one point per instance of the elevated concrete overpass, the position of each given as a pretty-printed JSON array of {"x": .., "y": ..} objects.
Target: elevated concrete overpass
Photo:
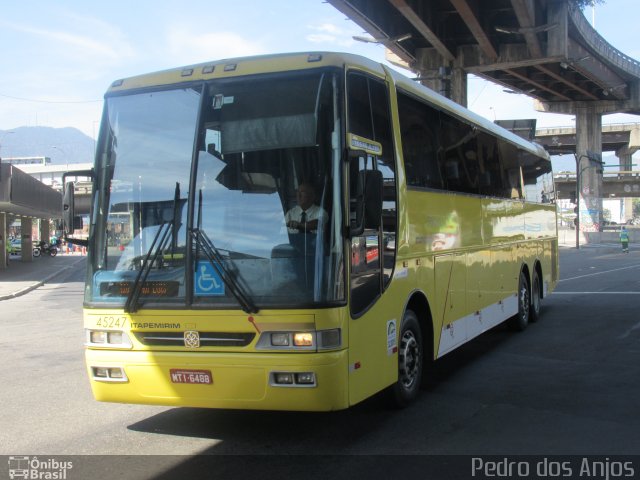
[
  {"x": 621, "y": 184},
  {"x": 545, "y": 49},
  {"x": 621, "y": 138}
]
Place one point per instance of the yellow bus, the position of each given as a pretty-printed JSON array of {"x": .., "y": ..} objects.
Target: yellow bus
[{"x": 424, "y": 226}]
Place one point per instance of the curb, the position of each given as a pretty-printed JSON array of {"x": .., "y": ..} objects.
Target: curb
[{"x": 39, "y": 283}]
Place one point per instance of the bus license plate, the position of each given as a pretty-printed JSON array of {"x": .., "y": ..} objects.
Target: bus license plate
[{"x": 198, "y": 377}]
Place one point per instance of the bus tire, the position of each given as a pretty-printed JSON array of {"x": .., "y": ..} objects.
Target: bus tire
[
  {"x": 410, "y": 361},
  {"x": 520, "y": 321},
  {"x": 534, "y": 313}
]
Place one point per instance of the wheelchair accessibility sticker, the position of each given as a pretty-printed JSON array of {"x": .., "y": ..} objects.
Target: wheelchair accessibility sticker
[{"x": 207, "y": 281}]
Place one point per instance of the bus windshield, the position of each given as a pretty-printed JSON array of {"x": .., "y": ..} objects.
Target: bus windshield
[{"x": 221, "y": 194}]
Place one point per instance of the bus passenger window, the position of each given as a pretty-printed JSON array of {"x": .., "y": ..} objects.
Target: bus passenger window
[{"x": 418, "y": 126}]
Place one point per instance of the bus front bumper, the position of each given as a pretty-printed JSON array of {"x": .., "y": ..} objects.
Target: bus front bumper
[{"x": 237, "y": 381}]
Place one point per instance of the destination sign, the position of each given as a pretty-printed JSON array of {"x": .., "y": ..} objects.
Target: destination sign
[{"x": 147, "y": 289}]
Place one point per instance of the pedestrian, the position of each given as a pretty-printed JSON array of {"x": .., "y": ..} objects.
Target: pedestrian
[{"x": 624, "y": 239}]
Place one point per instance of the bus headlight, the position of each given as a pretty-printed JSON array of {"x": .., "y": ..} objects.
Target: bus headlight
[
  {"x": 304, "y": 339},
  {"x": 313, "y": 340},
  {"x": 107, "y": 339},
  {"x": 287, "y": 341},
  {"x": 97, "y": 337},
  {"x": 280, "y": 339}
]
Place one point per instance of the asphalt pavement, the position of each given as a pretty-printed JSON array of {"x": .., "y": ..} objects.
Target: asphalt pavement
[{"x": 22, "y": 277}]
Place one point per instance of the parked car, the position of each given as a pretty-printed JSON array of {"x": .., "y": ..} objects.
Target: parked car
[{"x": 15, "y": 246}]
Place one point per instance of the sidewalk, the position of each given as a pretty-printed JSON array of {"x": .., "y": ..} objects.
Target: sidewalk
[
  {"x": 567, "y": 239},
  {"x": 22, "y": 277}
]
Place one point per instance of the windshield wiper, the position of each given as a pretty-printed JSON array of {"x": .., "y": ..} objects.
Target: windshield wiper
[
  {"x": 217, "y": 262},
  {"x": 131, "y": 305}
]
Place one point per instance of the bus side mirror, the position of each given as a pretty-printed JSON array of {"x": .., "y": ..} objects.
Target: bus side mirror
[
  {"x": 71, "y": 222},
  {"x": 366, "y": 205},
  {"x": 68, "y": 209},
  {"x": 373, "y": 200}
]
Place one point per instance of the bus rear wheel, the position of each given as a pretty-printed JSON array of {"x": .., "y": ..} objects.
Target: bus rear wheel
[
  {"x": 520, "y": 321},
  {"x": 410, "y": 361},
  {"x": 534, "y": 313}
]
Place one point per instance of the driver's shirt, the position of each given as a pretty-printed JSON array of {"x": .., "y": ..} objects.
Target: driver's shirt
[{"x": 314, "y": 212}]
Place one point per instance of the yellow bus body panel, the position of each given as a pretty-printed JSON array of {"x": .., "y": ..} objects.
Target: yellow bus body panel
[
  {"x": 240, "y": 381},
  {"x": 240, "y": 374},
  {"x": 465, "y": 254}
]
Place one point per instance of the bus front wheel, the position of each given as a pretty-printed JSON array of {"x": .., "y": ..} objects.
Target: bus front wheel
[{"x": 410, "y": 358}]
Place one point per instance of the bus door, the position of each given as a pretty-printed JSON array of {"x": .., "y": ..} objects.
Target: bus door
[
  {"x": 373, "y": 325},
  {"x": 375, "y": 314}
]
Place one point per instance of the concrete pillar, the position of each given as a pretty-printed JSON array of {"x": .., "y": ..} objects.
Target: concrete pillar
[
  {"x": 446, "y": 78},
  {"x": 27, "y": 242},
  {"x": 44, "y": 230},
  {"x": 4, "y": 240},
  {"x": 589, "y": 138},
  {"x": 628, "y": 209},
  {"x": 459, "y": 82},
  {"x": 624, "y": 155}
]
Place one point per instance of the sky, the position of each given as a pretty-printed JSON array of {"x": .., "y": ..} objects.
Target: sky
[{"x": 59, "y": 57}]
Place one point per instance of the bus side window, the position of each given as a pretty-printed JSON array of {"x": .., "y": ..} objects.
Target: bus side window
[
  {"x": 510, "y": 170},
  {"x": 490, "y": 177},
  {"x": 538, "y": 179},
  {"x": 460, "y": 160},
  {"x": 418, "y": 124}
]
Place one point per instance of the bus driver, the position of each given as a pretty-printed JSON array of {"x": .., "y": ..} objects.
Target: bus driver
[{"x": 304, "y": 217}]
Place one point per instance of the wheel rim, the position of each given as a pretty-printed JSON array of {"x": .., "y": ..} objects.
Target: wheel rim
[
  {"x": 409, "y": 359},
  {"x": 525, "y": 301}
]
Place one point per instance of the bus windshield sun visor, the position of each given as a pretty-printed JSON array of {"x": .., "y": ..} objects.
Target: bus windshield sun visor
[
  {"x": 264, "y": 115},
  {"x": 269, "y": 133}
]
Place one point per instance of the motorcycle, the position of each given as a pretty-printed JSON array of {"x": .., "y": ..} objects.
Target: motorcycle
[{"x": 44, "y": 247}]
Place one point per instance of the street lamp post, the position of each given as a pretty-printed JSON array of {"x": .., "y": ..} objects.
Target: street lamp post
[{"x": 592, "y": 157}]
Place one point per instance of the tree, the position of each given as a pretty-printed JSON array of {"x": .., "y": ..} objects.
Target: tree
[
  {"x": 581, "y": 4},
  {"x": 636, "y": 207}
]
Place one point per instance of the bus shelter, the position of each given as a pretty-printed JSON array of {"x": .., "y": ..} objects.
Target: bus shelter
[{"x": 24, "y": 197}]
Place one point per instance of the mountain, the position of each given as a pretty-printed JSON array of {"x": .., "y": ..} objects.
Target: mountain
[{"x": 62, "y": 145}]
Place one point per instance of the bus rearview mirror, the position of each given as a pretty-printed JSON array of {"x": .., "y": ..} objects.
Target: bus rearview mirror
[
  {"x": 68, "y": 208},
  {"x": 366, "y": 209}
]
